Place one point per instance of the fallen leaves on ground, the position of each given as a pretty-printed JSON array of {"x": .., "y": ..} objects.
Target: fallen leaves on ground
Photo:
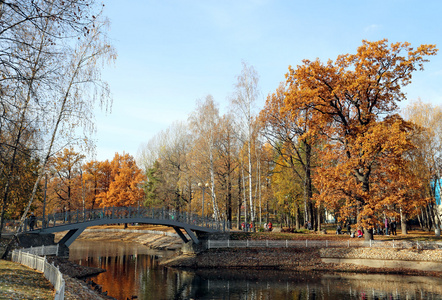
[{"x": 20, "y": 282}]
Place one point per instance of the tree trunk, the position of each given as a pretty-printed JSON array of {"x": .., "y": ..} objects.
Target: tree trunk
[
  {"x": 436, "y": 220},
  {"x": 318, "y": 212},
  {"x": 420, "y": 222},
  {"x": 245, "y": 198},
  {"x": 229, "y": 194},
  {"x": 368, "y": 234},
  {"x": 238, "y": 218},
  {"x": 251, "y": 204},
  {"x": 403, "y": 223},
  {"x": 297, "y": 217}
]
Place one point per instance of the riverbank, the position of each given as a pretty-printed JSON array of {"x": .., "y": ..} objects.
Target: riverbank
[
  {"x": 160, "y": 237},
  {"x": 311, "y": 260},
  {"x": 360, "y": 260},
  {"x": 15, "y": 280},
  {"x": 288, "y": 261}
]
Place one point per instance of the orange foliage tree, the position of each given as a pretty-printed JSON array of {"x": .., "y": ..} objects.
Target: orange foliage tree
[
  {"x": 125, "y": 188},
  {"x": 96, "y": 179},
  {"x": 354, "y": 103},
  {"x": 64, "y": 185},
  {"x": 294, "y": 140}
]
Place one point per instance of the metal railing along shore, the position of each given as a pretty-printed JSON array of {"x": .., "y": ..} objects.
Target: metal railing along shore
[
  {"x": 399, "y": 244},
  {"x": 39, "y": 263}
]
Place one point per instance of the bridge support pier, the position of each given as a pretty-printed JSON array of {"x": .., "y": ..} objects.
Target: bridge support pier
[
  {"x": 181, "y": 235},
  {"x": 189, "y": 232},
  {"x": 70, "y": 237}
]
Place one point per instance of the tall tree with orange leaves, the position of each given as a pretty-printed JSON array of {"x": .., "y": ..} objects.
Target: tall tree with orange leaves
[
  {"x": 125, "y": 188},
  {"x": 354, "y": 103},
  {"x": 291, "y": 134},
  {"x": 96, "y": 178},
  {"x": 63, "y": 186}
]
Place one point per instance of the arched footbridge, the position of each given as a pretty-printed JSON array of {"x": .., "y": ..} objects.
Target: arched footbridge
[{"x": 75, "y": 222}]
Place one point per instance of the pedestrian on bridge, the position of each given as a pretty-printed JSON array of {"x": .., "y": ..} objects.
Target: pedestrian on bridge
[{"x": 32, "y": 221}]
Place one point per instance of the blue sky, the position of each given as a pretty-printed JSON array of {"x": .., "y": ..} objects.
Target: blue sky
[{"x": 173, "y": 52}]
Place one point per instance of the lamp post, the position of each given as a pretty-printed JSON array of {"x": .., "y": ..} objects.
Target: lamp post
[{"x": 203, "y": 187}]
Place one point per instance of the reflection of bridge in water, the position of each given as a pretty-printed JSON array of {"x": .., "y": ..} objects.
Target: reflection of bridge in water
[{"x": 75, "y": 222}]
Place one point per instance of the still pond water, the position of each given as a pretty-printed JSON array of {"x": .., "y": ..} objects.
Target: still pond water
[{"x": 133, "y": 270}]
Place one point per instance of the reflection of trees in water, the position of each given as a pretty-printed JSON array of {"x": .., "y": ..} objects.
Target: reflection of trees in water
[
  {"x": 380, "y": 286},
  {"x": 140, "y": 275},
  {"x": 300, "y": 286}
]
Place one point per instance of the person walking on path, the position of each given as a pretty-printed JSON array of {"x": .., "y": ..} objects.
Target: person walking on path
[
  {"x": 393, "y": 227},
  {"x": 32, "y": 221},
  {"x": 386, "y": 226},
  {"x": 338, "y": 229}
]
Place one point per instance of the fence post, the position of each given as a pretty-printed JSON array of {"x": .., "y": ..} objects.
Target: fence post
[
  {"x": 306, "y": 243},
  {"x": 370, "y": 243},
  {"x": 326, "y": 244}
]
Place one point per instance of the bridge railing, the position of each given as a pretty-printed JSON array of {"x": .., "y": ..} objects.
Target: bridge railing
[{"x": 116, "y": 213}]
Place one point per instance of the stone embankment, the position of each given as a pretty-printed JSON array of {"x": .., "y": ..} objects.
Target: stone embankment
[
  {"x": 360, "y": 260},
  {"x": 420, "y": 260},
  {"x": 155, "y": 239}
]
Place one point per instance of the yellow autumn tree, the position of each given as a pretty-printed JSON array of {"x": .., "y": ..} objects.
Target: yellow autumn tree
[
  {"x": 125, "y": 188},
  {"x": 426, "y": 158}
]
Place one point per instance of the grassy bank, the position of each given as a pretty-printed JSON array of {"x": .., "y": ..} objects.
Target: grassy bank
[{"x": 20, "y": 282}]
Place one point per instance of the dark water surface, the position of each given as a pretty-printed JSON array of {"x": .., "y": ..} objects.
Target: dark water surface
[{"x": 132, "y": 270}]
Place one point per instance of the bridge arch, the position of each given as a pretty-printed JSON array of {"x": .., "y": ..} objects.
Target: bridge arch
[{"x": 76, "y": 222}]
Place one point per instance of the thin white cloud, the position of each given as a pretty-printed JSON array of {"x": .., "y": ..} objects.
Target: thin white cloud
[{"x": 372, "y": 28}]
